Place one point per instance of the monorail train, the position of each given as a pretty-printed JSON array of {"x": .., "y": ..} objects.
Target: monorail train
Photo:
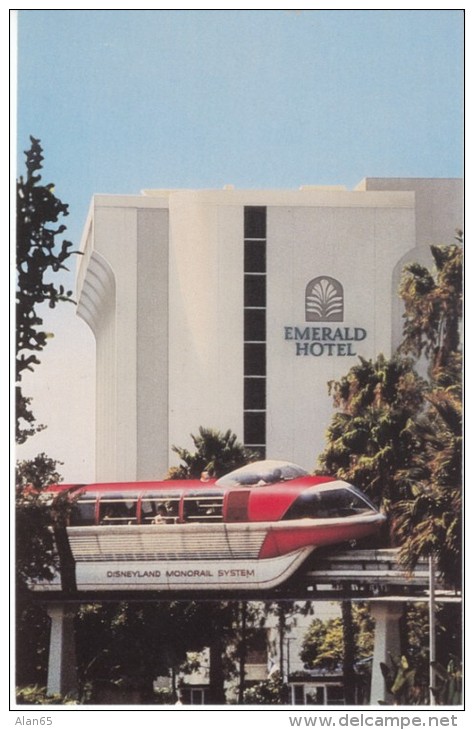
[{"x": 251, "y": 529}]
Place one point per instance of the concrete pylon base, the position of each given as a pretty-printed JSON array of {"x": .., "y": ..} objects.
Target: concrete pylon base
[
  {"x": 62, "y": 665},
  {"x": 386, "y": 642}
]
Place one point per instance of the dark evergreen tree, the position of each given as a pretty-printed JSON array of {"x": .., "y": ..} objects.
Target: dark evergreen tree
[
  {"x": 39, "y": 258},
  {"x": 35, "y": 559}
]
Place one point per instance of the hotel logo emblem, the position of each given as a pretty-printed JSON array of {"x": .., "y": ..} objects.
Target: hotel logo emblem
[{"x": 324, "y": 300}]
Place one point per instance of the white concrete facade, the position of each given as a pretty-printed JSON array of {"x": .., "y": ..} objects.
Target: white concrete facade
[{"x": 162, "y": 285}]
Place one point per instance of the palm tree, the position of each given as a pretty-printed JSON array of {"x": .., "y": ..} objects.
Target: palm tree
[
  {"x": 429, "y": 522},
  {"x": 216, "y": 452},
  {"x": 434, "y": 306},
  {"x": 368, "y": 439},
  {"x": 399, "y": 437}
]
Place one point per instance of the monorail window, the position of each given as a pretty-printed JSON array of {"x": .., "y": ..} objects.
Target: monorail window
[
  {"x": 201, "y": 507},
  {"x": 159, "y": 507},
  {"x": 118, "y": 509},
  {"x": 83, "y": 510},
  {"x": 327, "y": 503}
]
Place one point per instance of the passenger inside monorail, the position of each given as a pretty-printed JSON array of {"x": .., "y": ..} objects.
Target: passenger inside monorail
[
  {"x": 161, "y": 517},
  {"x": 154, "y": 506},
  {"x": 227, "y": 499}
]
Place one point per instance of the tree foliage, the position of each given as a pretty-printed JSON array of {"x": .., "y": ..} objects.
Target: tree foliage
[
  {"x": 38, "y": 695},
  {"x": 369, "y": 438},
  {"x": 433, "y": 307},
  {"x": 449, "y": 643},
  {"x": 398, "y": 436},
  {"x": 429, "y": 520},
  {"x": 136, "y": 642},
  {"x": 215, "y": 452},
  {"x": 323, "y": 644},
  {"x": 37, "y": 473},
  {"x": 133, "y": 643},
  {"x": 270, "y": 692},
  {"x": 401, "y": 682},
  {"x": 407, "y": 676},
  {"x": 35, "y": 557},
  {"x": 38, "y": 259}
]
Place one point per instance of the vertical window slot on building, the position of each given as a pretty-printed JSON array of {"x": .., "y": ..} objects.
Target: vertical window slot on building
[{"x": 255, "y": 328}]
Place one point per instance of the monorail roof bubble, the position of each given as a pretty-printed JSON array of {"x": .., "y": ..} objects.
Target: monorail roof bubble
[{"x": 261, "y": 473}]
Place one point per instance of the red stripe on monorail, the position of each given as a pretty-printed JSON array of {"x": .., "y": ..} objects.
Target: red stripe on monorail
[{"x": 295, "y": 537}]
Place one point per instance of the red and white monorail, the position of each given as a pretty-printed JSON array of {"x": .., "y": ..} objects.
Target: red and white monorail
[{"x": 251, "y": 529}]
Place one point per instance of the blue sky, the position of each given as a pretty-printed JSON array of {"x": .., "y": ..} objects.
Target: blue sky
[{"x": 127, "y": 100}]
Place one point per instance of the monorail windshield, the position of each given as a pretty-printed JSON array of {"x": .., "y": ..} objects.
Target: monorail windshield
[
  {"x": 261, "y": 473},
  {"x": 327, "y": 503}
]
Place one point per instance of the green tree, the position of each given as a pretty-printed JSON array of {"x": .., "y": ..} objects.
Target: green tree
[
  {"x": 428, "y": 520},
  {"x": 215, "y": 452},
  {"x": 130, "y": 644},
  {"x": 399, "y": 436},
  {"x": 270, "y": 692},
  {"x": 35, "y": 552},
  {"x": 35, "y": 559},
  {"x": 369, "y": 440},
  {"x": 38, "y": 259},
  {"x": 323, "y": 644},
  {"x": 407, "y": 676},
  {"x": 246, "y": 634},
  {"x": 434, "y": 307},
  {"x": 414, "y": 640}
]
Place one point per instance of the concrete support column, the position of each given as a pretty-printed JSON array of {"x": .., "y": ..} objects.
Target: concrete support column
[
  {"x": 62, "y": 664},
  {"x": 387, "y": 641}
]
